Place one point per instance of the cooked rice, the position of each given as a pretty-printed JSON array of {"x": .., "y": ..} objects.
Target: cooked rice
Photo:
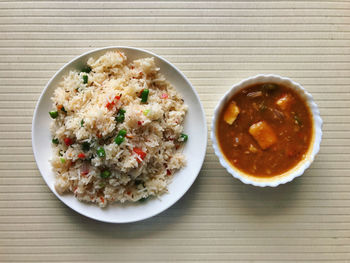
[{"x": 91, "y": 108}]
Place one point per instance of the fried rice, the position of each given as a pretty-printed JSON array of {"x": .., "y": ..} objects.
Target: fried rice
[{"x": 117, "y": 131}]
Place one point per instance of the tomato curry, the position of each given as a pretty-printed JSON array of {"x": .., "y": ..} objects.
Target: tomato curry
[{"x": 265, "y": 129}]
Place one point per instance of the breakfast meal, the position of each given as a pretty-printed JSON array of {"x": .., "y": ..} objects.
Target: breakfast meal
[
  {"x": 117, "y": 131},
  {"x": 265, "y": 129}
]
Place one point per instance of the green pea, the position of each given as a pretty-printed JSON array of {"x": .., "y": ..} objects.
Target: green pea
[
  {"x": 144, "y": 95},
  {"x": 101, "y": 152},
  {"x": 85, "y": 79},
  {"x": 183, "y": 137},
  {"x": 119, "y": 139},
  {"x": 53, "y": 114},
  {"x": 55, "y": 141},
  {"x": 105, "y": 174},
  {"x": 120, "y": 116},
  {"x": 122, "y": 132}
]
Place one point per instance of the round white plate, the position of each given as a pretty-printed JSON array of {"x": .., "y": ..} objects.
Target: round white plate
[{"x": 194, "y": 126}]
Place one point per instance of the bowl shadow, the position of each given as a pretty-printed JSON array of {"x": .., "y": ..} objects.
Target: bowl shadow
[{"x": 268, "y": 201}]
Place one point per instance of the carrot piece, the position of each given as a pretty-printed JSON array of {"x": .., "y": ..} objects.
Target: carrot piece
[
  {"x": 140, "y": 153},
  {"x": 68, "y": 141},
  {"x": 110, "y": 105}
]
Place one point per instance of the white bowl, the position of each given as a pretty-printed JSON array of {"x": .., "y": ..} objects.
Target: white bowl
[
  {"x": 194, "y": 126},
  {"x": 296, "y": 171}
]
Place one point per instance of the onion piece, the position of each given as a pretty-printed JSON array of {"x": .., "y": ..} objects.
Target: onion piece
[{"x": 254, "y": 94}]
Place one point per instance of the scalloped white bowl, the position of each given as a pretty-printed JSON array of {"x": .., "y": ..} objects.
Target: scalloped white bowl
[{"x": 296, "y": 171}]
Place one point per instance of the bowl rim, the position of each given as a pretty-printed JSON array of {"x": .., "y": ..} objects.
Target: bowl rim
[
  {"x": 91, "y": 52},
  {"x": 292, "y": 173}
]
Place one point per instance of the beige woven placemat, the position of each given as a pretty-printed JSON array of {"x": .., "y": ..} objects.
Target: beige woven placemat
[{"x": 215, "y": 44}]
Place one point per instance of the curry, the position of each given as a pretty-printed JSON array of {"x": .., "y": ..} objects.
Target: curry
[{"x": 265, "y": 129}]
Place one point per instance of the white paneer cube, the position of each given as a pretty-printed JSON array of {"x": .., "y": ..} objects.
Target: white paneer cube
[
  {"x": 263, "y": 134},
  {"x": 231, "y": 113},
  {"x": 284, "y": 102}
]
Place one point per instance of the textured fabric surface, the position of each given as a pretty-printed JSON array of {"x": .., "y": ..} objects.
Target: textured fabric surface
[{"x": 216, "y": 44}]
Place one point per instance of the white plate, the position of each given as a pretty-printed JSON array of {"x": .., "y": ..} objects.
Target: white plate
[{"x": 194, "y": 126}]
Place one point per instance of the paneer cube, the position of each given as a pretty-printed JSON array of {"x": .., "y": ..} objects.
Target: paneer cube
[
  {"x": 231, "y": 113},
  {"x": 263, "y": 134},
  {"x": 284, "y": 102}
]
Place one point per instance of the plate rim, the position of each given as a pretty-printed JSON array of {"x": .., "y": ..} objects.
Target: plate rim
[{"x": 35, "y": 117}]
